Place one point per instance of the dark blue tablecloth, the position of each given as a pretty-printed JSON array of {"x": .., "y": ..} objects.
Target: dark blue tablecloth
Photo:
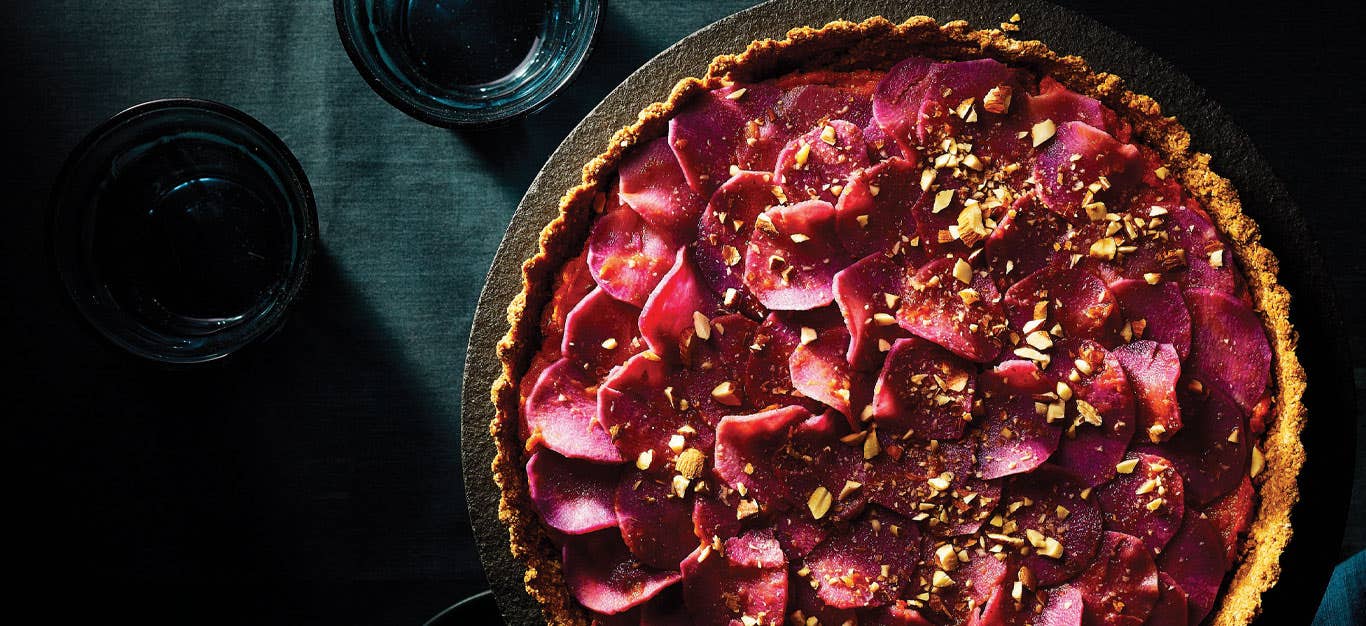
[{"x": 316, "y": 477}]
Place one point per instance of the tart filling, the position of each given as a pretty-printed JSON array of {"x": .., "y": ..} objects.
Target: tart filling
[{"x": 941, "y": 344}]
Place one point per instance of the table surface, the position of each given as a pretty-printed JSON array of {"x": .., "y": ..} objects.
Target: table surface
[{"x": 315, "y": 478}]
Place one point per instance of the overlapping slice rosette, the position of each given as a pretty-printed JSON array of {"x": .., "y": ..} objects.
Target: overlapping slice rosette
[{"x": 939, "y": 345}]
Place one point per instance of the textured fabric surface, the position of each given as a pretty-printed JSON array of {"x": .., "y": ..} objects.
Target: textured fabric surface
[{"x": 315, "y": 478}]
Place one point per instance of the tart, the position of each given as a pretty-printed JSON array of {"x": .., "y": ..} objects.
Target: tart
[{"x": 899, "y": 324}]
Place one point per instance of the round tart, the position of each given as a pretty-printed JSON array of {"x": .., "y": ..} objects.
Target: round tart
[{"x": 899, "y": 324}]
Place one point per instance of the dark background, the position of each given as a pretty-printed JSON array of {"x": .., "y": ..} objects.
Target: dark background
[{"x": 315, "y": 478}]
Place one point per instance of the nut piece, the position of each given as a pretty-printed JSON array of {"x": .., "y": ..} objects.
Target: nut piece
[
  {"x": 1043, "y": 131},
  {"x": 645, "y": 459},
  {"x": 701, "y": 326},
  {"x": 689, "y": 464},
  {"x": 1126, "y": 466},
  {"x": 962, "y": 271},
  {"x": 942, "y": 200},
  {"x": 1051, "y": 548},
  {"x": 819, "y": 502},
  {"x": 946, "y": 558},
  {"x": 808, "y": 335},
  {"x": 725, "y": 394},
  {"x": 941, "y": 580},
  {"x": 998, "y": 99}
]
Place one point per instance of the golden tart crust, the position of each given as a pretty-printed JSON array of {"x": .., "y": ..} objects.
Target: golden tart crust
[{"x": 877, "y": 43}]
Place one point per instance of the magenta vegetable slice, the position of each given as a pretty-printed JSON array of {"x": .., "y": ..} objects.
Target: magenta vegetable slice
[
  {"x": 757, "y": 548},
  {"x": 847, "y": 564},
  {"x": 562, "y": 413},
  {"x": 707, "y": 134},
  {"x": 1153, "y": 370},
  {"x": 723, "y": 234},
  {"x": 809, "y": 605},
  {"x": 1195, "y": 560},
  {"x": 898, "y": 613},
  {"x": 924, "y": 389},
  {"x": 798, "y": 111},
  {"x": 1078, "y": 530},
  {"x": 601, "y": 332},
  {"x": 874, "y": 211},
  {"x": 814, "y": 458},
  {"x": 1016, "y": 438},
  {"x": 745, "y": 447},
  {"x": 672, "y": 308},
  {"x": 604, "y": 576},
  {"x": 1157, "y": 309},
  {"x": 797, "y": 533},
  {"x": 1060, "y": 606},
  {"x": 573, "y": 496},
  {"x": 710, "y": 380},
  {"x": 1211, "y": 450},
  {"x": 1155, "y": 514},
  {"x": 627, "y": 256},
  {"x": 974, "y": 579},
  {"x": 794, "y": 255},
  {"x": 719, "y": 591},
  {"x": 1099, "y": 420},
  {"x": 1120, "y": 588},
  {"x": 1073, "y": 298},
  {"x": 714, "y": 514},
  {"x": 1185, "y": 247},
  {"x": 641, "y": 403},
  {"x": 867, "y": 293},
  {"x": 820, "y": 371},
  {"x": 766, "y": 376},
  {"x": 1078, "y": 157},
  {"x": 933, "y": 306},
  {"x": 1229, "y": 349},
  {"x": 1023, "y": 241},
  {"x": 816, "y": 165},
  {"x": 656, "y": 524},
  {"x": 653, "y": 183},
  {"x": 1171, "y": 608},
  {"x": 898, "y": 97},
  {"x": 1232, "y": 516},
  {"x": 899, "y": 479}
]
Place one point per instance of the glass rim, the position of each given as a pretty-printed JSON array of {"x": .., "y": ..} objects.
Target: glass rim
[
  {"x": 295, "y": 187},
  {"x": 434, "y": 112}
]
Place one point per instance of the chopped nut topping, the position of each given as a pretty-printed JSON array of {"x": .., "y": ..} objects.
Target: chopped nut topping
[
  {"x": 1147, "y": 487},
  {"x": 689, "y": 464},
  {"x": 1126, "y": 466},
  {"x": 926, "y": 179},
  {"x": 1258, "y": 462},
  {"x": 883, "y": 319},
  {"x": 1062, "y": 512},
  {"x": 737, "y": 94},
  {"x": 803, "y": 153},
  {"x": 997, "y": 99},
  {"x": 725, "y": 394},
  {"x": 1088, "y": 413},
  {"x": 1154, "y": 504},
  {"x": 1155, "y": 433},
  {"x": 609, "y": 343},
  {"x": 730, "y": 255},
  {"x": 828, "y": 134},
  {"x": 746, "y": 508},
  {"x": 1152, "y": 278},
  {"x": 1039, "y": 339},
  {"x": 871, "y": 447},
  {"x": 819, "y": 502},
  {"x": 946, "y": 558},
  {"x": 701, "y": 325},
  {"x": 1041, "y": 132},
  {"x": 645, "y": 459},
  {"x": 1051, "y": 548},
  {"x": 849, "y": 488},
  {"x": 941, "y": 580},
  {"x": 962, "y": 271},
  {"x": 942, "y": 200},
  {"x": 1103, "y": 248}
]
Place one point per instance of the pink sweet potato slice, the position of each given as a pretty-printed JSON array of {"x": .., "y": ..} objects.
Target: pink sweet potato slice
[
  {"x": 719, "y": 591},
  {"x": 656, "y": 524},
  {"x": 867, "y": 293},
  {"x": 653, "y": 183},
  {"x": 933, "y": 307},
  {"x": 1016, "y": 438},
  {"x": 604, "y": 576},
  {"x": 1078, "y": 529},
  {"x": 847, "y": 563},
  {"x": 573, "y": 496},
  {"x": 1195, "y": 560},
  {"x": 816, "y": 165},
  {"x": 1157, "y": 309},
  {"x": 794, "y": 255},
  {"x": 601, "y": 333},
  {"x": 1120, "y": 587},
  {"x": 627, "y": 256},
  {"x": 562, "y": 413},
  {"x": 874, "y": 213},
  {"x": 1229, "y": 349},
  {"x": 1153, "y": 370},
  {"x": 1126, "y": 510},
  {"x": 924, "y": 389}
]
